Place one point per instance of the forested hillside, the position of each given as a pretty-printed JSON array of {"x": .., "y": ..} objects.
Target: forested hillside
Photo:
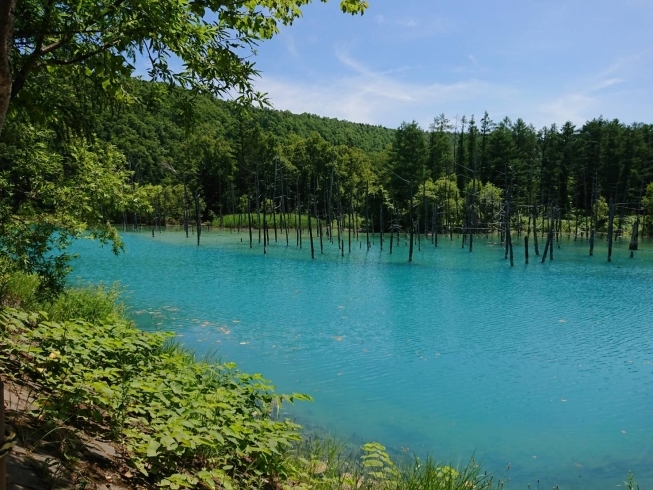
[{"x": 234, "y": 158}]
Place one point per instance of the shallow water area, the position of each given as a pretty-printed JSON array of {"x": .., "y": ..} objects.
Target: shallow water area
[{"x": 546, "y": 367}]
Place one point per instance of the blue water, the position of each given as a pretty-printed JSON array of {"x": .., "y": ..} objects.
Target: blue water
[{"x": 546, "y": 367}]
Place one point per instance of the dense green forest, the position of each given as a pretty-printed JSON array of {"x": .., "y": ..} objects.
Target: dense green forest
[{"x": 464, "y": 172}]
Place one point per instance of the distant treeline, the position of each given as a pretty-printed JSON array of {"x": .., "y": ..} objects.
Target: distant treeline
[{"x": 220, "y": 159}]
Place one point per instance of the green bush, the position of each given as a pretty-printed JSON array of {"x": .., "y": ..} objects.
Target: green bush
[{"x": 182, "y": 422}]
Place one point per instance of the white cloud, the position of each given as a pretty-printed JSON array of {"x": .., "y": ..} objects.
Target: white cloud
[
  {"x": 607, "y": 83},
  {"x": 573, "y": 107},
  {"x": 408, "y": 23},
  {"x": 354, "y": 91},
  {"x": 379, "y": 19},
  {"x": 378, "y": 97},
  {"x": 289, "y": 42}
]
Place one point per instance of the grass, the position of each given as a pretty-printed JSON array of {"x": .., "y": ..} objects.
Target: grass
[{"x": 90, "y": 303}]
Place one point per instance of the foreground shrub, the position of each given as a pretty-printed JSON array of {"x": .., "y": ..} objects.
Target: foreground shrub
[{"x": 181, "y": 422}]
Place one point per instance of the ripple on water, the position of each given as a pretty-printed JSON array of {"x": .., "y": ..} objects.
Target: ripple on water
[{"x": 546, "y": 366}]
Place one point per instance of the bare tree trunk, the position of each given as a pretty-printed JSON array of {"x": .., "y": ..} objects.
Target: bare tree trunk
[
  {"x": 507, "y": 226},
  {"x": 410, "y": 249},
  {"x": 265, "y": 206},
  {"x": 512, "y": 261},
  {"x": 299, "y": 214},
  {"x": 552, "y": 231},
  {"x": 330, "y": 210},
  {"x": 634, "y": 238},
  {"x": 391, "y": 225},
  {"x": 426, "y": 210},
  {"x": 381, "y": 226},
  {"x": 249, "y": 218},
  {"x": 310, "y": 226},
  {"x": 198, "y": 216},
  {"x": 367, "y": 214},
  {"x": 7, "y": 13},
  {"x": 274, "y": 198},
  {"x": 351, "y": 212},
  {"x": 435, "y": 225},
  {"x": 258, "y": 207},
  {"x": 610, "y": 229}
]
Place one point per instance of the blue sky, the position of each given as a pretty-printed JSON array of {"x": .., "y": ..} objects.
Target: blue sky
[{"x": 547, "y": 61}]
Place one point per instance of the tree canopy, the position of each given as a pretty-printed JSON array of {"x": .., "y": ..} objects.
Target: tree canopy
[{"x": 102, "y": 40}]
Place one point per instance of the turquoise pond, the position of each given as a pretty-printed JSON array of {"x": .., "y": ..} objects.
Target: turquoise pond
[{"x": 546, "y": 367}]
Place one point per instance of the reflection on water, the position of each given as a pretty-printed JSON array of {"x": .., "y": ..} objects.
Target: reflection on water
[{"x": 548, "y": 367}]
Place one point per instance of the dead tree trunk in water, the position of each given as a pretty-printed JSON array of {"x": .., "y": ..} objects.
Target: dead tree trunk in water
[
  {"x": 367, "y": 214},
  {"x": 310, "y": 227},
  {"x": 593, "y": 220},
  {"x": 249, "y": 218},
  {"x": 435, "y": 224},
  {"x": 426, "y": 210},
  {"x": 381, "y": 225},
  {"x": 610, "y": 229},
  {"x": 634, "y": 238},
  {"x": 198, "y": 216},
  {"x": 265, "y": 207},
  {"x": 351, "y": 212},
  {"x": 274, "y": 200},
  {"x": 512, "y": 259},
  {"x": 536, "y": 245},
  {"x": 552, "y": 231},
  {"x": 391, "y": 225},
  {"x": 341, "y": 225},
  {"x": 319, "y": 221},
  {"x": 507, "y": 226},
  {"x": 526, "y": 248},
  {"x": 548, "y": 248},
  {"x": 410, "y": 249}
]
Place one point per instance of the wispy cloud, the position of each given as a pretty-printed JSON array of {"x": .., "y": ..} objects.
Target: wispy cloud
[
  {"x": 592, "y": 98},
  {"x": 289, "y": 42},
  {"x": 606, "y": 84},
  {"x": 408, "y": 23},
  {"x": 377, "y": 97},
  {"x": 573, "y": 107}
]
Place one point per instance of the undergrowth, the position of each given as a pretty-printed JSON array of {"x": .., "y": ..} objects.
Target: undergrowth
[{"x": 181, "y": 423}]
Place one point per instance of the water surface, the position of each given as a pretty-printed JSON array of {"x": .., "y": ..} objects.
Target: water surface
[{"x": 548, "y": 367}]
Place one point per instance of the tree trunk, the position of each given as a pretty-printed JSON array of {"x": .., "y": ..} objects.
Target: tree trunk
[
  {"x": 410, "y": 249},
  {"x": 367, "y": 214},
  {"x": 351, "y": 212},
  {"x": 381, "y": 226},
  {"x": 249, "y": 218},
  {"x": 435, "y": 224},
  {"x": 7, "y": 13},
  {"x": 391, "y": 225},
  {"x": 198, "y": 217},
  {"x": 610, "y": 230},
  {"x": 310, "y": 227},
  {"x": 265, "y": 207},
  {"x": 634, "y": 238}
]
